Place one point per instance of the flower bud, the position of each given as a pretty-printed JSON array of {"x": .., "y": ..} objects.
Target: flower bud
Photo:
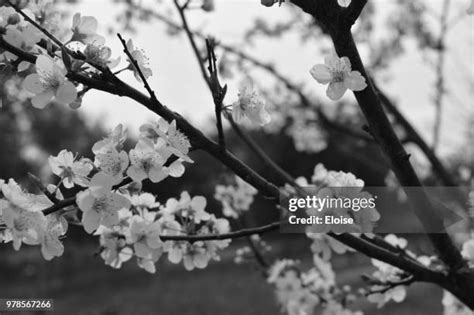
[
  {"x": 13, "y": 19},
  {"x": 208, "y": 5},
  {"x": 267, "y": 3}
]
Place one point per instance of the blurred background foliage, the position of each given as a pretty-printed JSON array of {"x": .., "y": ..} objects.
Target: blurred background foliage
[{"x": 82, "y": 284}]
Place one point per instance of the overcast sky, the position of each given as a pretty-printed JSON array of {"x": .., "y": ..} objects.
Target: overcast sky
[{"x": 179, "y": 85}]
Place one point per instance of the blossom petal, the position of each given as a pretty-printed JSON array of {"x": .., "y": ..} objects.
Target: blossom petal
[
  {"x": 33, "y": 84},
  {"x": 336, "y": 90},
  {"x": 355, "y": 81},
  {"x": 321, "y": 73},
  {"x": 41, "y": 100},
  {"x": 90, "y": 220},
  {"x": 66, "y": 93},
  {"x": 44, "y": 64},
  {"x": 176, "y": 169}
]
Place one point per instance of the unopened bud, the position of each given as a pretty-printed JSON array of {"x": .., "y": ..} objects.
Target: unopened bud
[
  {"x": 267, "y": 3},
  {"x": 13, "y": 19}
]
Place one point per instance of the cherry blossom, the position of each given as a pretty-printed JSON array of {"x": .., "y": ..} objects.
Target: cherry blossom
[
  {"x": 452, "y": 306},
  {"x": 71, "y": 171},
  {"x": 174, "y": 140},
  {"x": 100, "y": 55},
  {"x": 334, "y": 308},
  {"x": 236, "y": 198},
  {"x": 84, "y": 29},
  {"x": 99, "y": 204},
  {"x": 301, "y": 292},
  {"x": 144, "y": 201},
  {"x": 24, "y": 38},
  {"x": 114, "y": 249},
  {"x": 387, "y": 274},
  {"x": 194, "y": 256},
  {"x": 109, "y": 156},
  {"x": 55, "y": 227},
  {"x": 22, "y": 214},
  {"x": 139, "y": 56},
  {"x": 50, "y": 83},
  {"x": 146, "y": 162},
  {"x": 308, "y": 137},
  {"x": 337, "y": 72},
  {"x": 323, "y": 245},
  {"x": 145, "y": 237},
  {"x": 191, "y": 209},
  {"x": 251, "y": 106},
  {"x": 115, "y": 139}
]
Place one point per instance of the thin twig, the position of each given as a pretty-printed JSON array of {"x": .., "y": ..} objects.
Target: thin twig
[
  {"x": 218, "y": 92},
  {"x": 237, "y": 234},
  {"x": 137, "y": 68}
]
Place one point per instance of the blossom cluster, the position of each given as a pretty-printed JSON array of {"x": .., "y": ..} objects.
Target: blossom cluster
[
  {"x": 236, "y": 198},
  {"x": 337, "y": 184},
  {"x": 452, "y": 305},
  {"x": 304, "y": 292},
  {"x": 139, "y": 233},
  {"x": 387, "y": 280},
  {"x": 84, "y": 51},
  {"x": 130, "y": 223}
]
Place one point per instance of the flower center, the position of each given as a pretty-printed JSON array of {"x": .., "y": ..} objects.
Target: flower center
[
  {"x": 180, "y": 142},
  {"x": 50, "y": 81}
]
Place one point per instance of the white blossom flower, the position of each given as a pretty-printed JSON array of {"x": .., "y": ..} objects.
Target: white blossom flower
[
  {"x": 112, "y": 163},
  {"x": 144, "y": 201},
  {"x": 71, "y": 171},
  {"x": 100, "y": 206},
  {"x": 452, "y": 305},
  {"x": 335, "y": 308},
  {"x": 25, "y": 38},
  {"x": 50, "y": 83},
  {"x": 115, "y": 139},
  {"x": 344, "y": 3},
  {"x": 396, "y": 294},
  {"x": 192, "y": 209},
  {"x": 55, "y": 227},
  {"x": 84, "y": 29},
  {"x": 308, "y": 137},
  {"x": 114, "y": 249},
  {"x": 386, "y": 274},
  {"x": 215, "y": 226},
  {"x": 100, "y": 55},
  {"x": 338, "y": 73},
  {"x": 139, "y": 56},
  {"x": 250, "y": 105},
  {"x": 323, "y": 246},
  {"x": 236, "y": 198},
  {"x": 109, "y": 156},
  {"x": 148, "y": 264},
  {"x": 146, "y": 162},
  {"x": 22, "y": 214},
  {"x": 195, "y": 256},
  {"x": 145, "y": 237},
  {"x": 174, "y": 140}
]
